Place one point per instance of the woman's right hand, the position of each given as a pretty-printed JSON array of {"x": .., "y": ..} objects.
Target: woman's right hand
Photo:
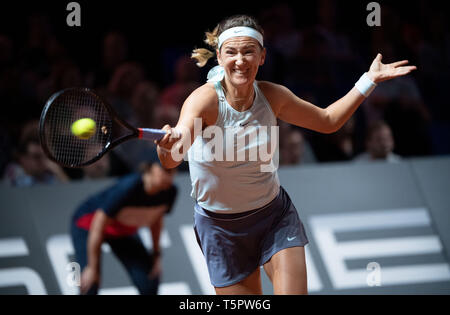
[
  {"x": 172, "y": 135},
  {"x": 89, "y": 277}
]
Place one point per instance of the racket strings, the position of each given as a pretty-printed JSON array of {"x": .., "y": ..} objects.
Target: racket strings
[{"x": 67, "y": 108}]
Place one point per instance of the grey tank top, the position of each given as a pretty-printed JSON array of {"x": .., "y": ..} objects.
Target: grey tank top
[{"x": 233, "y": 164}]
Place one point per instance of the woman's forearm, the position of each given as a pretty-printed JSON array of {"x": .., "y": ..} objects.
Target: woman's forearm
[
  {"x": 95, "y": 239},
  {"x": 340, "y": 111},
  {"x": 166, "y": 158},
  {"x": 156, "y": 229}
]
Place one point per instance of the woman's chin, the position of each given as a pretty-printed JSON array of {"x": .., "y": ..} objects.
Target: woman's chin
[{"x": 238, "y": 80}]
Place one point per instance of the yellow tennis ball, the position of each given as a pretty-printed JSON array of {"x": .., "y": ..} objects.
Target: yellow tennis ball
[{"x": 84, "y": 128}]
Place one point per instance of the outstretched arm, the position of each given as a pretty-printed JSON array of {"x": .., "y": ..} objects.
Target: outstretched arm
[
  {"x": 298, "y": 112},
  {"x": 341, "y": 110}
]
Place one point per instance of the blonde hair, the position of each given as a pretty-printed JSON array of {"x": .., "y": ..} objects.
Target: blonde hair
[{"x": 202, "y": 55}]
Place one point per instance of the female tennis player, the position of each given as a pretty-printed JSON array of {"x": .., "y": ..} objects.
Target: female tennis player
[{"x": 243, "y": 217}]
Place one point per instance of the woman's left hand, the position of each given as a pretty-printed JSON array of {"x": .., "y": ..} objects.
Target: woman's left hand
[{"x": 380, "y": 72}]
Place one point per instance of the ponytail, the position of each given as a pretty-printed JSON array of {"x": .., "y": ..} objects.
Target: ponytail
[{"x": 202, "y": 55}]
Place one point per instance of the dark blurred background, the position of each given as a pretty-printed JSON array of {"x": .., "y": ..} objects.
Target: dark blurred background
[{"x": 136, "y": 53}]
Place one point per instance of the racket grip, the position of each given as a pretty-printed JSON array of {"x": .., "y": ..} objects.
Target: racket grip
[{"x": 150, "y": 134}]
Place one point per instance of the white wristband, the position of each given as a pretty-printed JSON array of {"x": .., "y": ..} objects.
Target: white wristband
[{"x": 364, "y": 85}]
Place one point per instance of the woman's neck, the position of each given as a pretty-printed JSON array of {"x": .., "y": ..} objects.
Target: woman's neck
[{"x": 241, "y": 98}]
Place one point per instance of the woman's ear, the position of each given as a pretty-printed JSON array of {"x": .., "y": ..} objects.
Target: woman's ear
[
  {"x": 218, "y": 56},
  {"x": 263, "y": 57}
]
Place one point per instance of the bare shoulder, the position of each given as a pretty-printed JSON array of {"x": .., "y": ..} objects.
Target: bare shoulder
[
  {"x": 275, "y": 94},
  {"x": 202, "y": 102},
  {"x": 272, "y": 89},
  {"x": 203, "y": 97},
  {"x": 204, "y": 93}
]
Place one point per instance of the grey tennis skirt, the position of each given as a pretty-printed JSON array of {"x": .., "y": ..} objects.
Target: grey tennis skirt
[{"x": 234, "y": 245}]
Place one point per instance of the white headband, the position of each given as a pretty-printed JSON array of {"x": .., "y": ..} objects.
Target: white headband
[{"x": 240, "y": 31}]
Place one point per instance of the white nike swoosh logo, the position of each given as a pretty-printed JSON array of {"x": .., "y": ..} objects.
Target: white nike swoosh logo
[{"x": 291, "y": 238}]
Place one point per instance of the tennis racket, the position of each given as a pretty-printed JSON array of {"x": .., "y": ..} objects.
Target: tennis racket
[{"x": 68, "y": 106}]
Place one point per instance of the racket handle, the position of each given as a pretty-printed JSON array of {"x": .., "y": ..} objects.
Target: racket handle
[{"x": 150, "y": 134}]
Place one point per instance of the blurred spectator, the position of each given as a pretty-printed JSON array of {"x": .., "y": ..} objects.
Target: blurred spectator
[
  {"x": 166, "y": 115},
  {"x": 310, "y": 71},
  {"x": 187, "y": 79},
  {"x": 109, "y": 165},
  {"x": 31, "y": 166},
  {"x": 379, "y": 144},
  {"x": 120, "y": 89},
  {"x": 9, "y": 79},
  {"x": 400, "y": 104},
  {"x": 144, "y": 101},
  {"x": 428, "y": 44},
  {"x": 114, "y": 53},
  {"x": 42, "y": 50},
  {"x": 40, "y": 34},
  {"x": 342, "y": 57},
  {"x": 131, "y": 95},
  {"x": 6, "y": 52},
  {"x": 11, "y": 88},
  {"x": 5, "y": 148},
  {"x": 338, "y": 146},
  {"x": 64, "y": 74},
  {"x": 115, "y": 50},
  {"x": 125, "y": 78},
  {"x": 337, "y": 45},
  {"x": 410, "y": 126},
  {"x": 282, "y": 40},
  {"x": 293, "y": 146},
  {"x": 99, "y": 169}
]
